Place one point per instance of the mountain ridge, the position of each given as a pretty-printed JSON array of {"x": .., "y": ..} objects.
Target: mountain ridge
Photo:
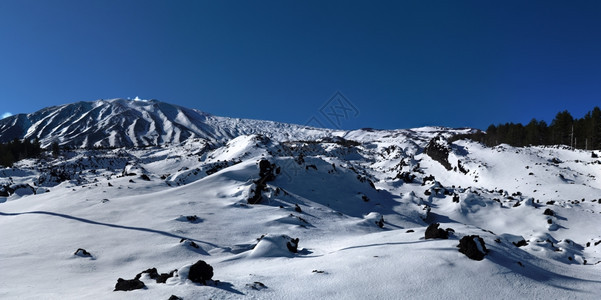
[{"x": 138, "y": 123}]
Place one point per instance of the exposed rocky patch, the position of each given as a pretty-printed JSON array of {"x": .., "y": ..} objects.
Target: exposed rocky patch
[
  {"x": 438, "y": 149},
  {"x": 266, "y": 173}
]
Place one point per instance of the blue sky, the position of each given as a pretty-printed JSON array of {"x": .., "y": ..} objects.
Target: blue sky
[{"x": 398, "y": 64}]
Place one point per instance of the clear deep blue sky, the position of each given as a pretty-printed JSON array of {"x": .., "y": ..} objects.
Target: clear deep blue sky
[{"x": 400, "y": 64}]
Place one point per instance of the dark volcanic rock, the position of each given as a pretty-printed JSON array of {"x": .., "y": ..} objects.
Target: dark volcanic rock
[
  {"x": 200, "y": 272},
  {"x": 473, "y": 247},
  {"x": 455, "y": 198},
  {"x": 293, "y": 245},
  {"x": 462, "y": 168},
  {"x": 164, "y": 276},
  {"x": 129, "y": 285},
  {"x": 6, "y": 191},
  {"x": 438, "y": 149},
  {"x": 152, "y": 273},
  {"x": 82, "y": 252},
  {"x": 266, "y": 172},
  {"x": 433, "y": 232},
  {"x": 406, "y": 177},
  {"x": 520, "y": 243},
  {"x": 193, "y": 219}
]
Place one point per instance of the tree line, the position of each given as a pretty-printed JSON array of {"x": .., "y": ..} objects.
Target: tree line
[
  {"x": 582, "y": 133},
  {"x": 18, "y": 150}
]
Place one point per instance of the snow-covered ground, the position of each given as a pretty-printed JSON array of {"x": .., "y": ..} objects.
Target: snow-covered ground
[{"x": 170, "y": 206}]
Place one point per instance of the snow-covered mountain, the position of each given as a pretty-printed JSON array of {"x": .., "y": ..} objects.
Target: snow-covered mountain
[
  {"x": 134, "y": 123},
  {"x": 284, "y": 211}
]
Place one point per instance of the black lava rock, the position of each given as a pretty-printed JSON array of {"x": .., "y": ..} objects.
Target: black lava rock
[
  {"x": 520, "y": 243},
  {"x": 82, "y": 252},
  {"x": 152, "y": 273},
  {"x": 293, "y": 245},
  {"x": 406, "y": 177},
  {"x": 433, "y": 232},
  {"x": 455, "y": 198},
  {"x": 200, "y": 272},
  {"x": 164, "y": 276},
  {"x": 129, "y": 285},
  {"x": 473, "y": 247},
  {"x": 266, "y": 170},
  {"x": 438, "y": 149},
  {"x": 192, "y": 219}
]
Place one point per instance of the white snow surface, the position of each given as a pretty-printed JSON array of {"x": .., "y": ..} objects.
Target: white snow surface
[{"x": 330, "y": 190}]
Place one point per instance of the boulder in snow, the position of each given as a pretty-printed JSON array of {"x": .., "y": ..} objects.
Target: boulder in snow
[
  {"x": 82, "y": 253},
  {"x": 473, "y": 247},
  {"x": 200, "y": 272},
  {"x": 433, "y": 232},
  {"x": 129, "y": 285}
]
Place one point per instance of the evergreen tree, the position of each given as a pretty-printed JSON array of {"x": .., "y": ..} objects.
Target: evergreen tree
[
  {"x": 583, "y": 133},
  {"x": 561, "y": 128},
  {"x": 492, "y": 138},
  {"x": 593, "y": 128},
  {"x": 17, "y": 150}
]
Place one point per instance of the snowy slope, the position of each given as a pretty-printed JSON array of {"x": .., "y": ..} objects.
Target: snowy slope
[{"x": 359, "y": 202}]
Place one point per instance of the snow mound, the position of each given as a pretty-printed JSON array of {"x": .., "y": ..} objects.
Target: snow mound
[{"x": 275, "y": 245}]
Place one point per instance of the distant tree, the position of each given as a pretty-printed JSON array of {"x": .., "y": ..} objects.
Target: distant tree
[
  {"x": 17, "y": 150},
  {"x": 535, "y": 133},
  {"x": 56, "y": 149},
  {"x": 492, "y": 138},
  {"x": 561, "y": 128},
  {"x": 592, "y": 129},
  {"x": 515, "y": 134},
  {"x": 583, "y": 133},
  {"x": 6, "y": 157},
  {"x": 37, "y": 147},
  {"x": 579, "y": 139}
]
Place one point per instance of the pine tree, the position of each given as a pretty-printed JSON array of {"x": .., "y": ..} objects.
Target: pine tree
[
  {"x": 561, "y": 128},
  {"x": 593, "y": 129}
]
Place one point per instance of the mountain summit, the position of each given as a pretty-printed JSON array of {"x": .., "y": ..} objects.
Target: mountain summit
[{"x": 132, "y": 123}]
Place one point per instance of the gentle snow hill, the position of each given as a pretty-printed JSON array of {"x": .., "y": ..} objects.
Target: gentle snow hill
[{"x": 359, "y": 203}]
